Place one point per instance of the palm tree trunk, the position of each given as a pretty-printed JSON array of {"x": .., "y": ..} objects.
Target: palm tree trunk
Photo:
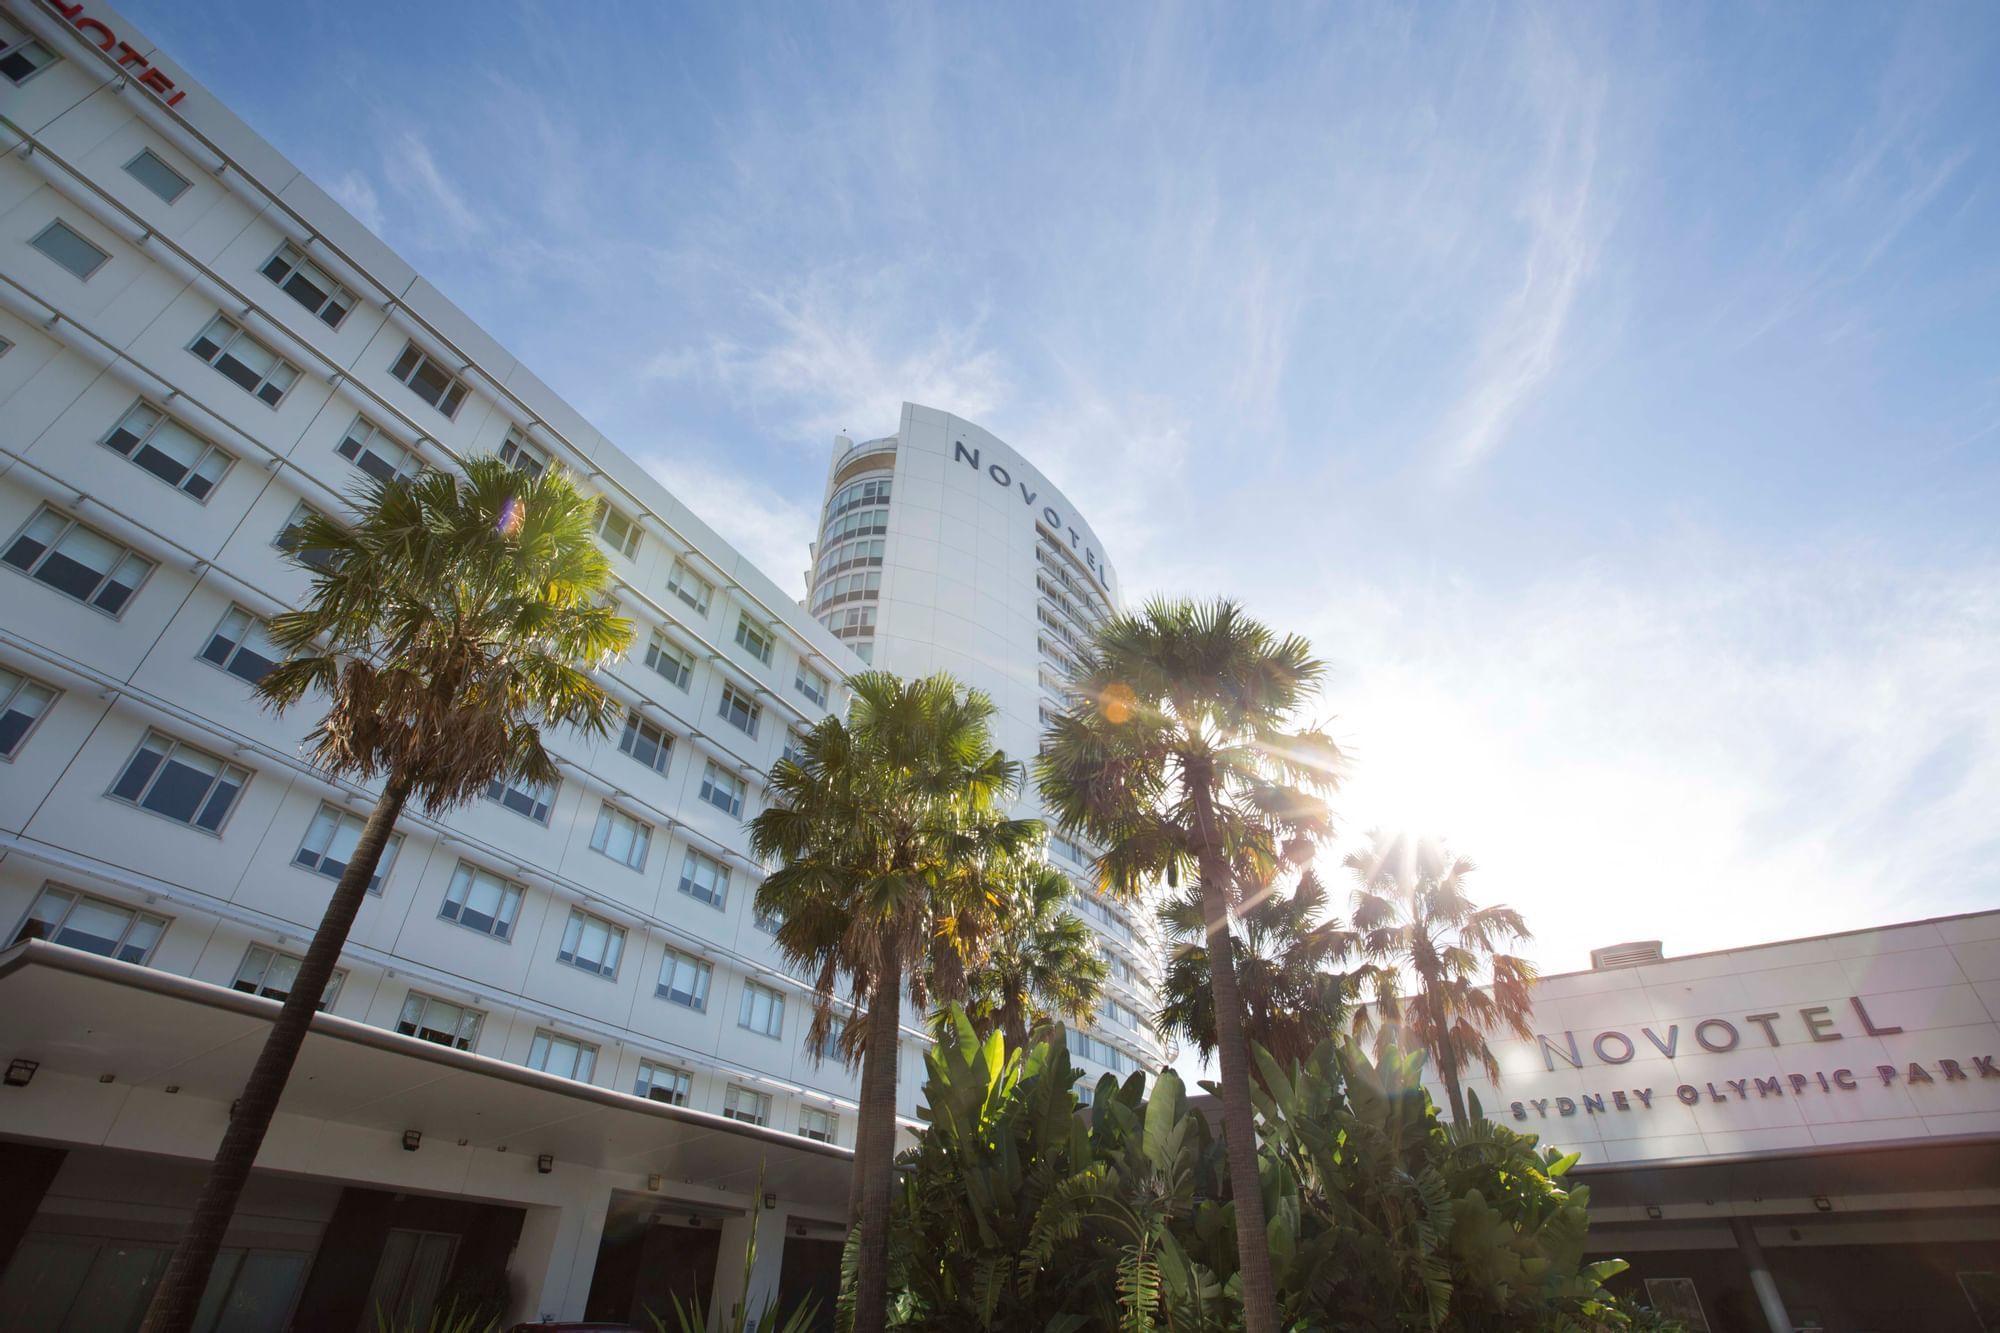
[
  {"x": 864, "y": 1128},
  {"x": 1014, "y": 1022},
  {"x": 180, "y": 1291},
  {"x": 1443, "y": 1053},
  {"x": 1232, "y": 1048},
  {"x": 877, "y": 1169}
]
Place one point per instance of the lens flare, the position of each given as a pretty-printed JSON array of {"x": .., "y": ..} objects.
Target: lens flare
[
  {"x": 1117, "y": 701},
  {"x": 512, "y": 515}
]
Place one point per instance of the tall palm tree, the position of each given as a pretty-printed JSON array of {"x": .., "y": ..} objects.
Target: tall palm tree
[
  {"x": 1042, "y": 964},
  {"x": 1412, "y": 914},
  {"x": 1289, "y": 958},
  {"x": 1180, "y": 757},
  {"x": 449, "y": 623},
  {"x": 890, "y": 838}
]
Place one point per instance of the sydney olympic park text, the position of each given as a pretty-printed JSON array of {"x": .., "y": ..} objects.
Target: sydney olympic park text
[{"x": 1719, "y": 1036}]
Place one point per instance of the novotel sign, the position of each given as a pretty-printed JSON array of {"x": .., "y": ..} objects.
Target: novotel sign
[
  {"x": 1819, "y": 1024},
  {"x": 1002, "y": 478},
  {"x": 129, "y": 58}
]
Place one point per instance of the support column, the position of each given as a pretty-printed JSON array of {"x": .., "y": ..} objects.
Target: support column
[
  {"x": 769, "y": 1226},
  {"x": 1761, "y": 1280},
  {"x": 556, "y": 1254}
]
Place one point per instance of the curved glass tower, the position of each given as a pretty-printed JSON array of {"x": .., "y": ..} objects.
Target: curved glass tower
[{"x": 941, "y": 549}]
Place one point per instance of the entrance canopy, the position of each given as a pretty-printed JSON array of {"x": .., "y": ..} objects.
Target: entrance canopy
[{"x": 126, "y": 1055}]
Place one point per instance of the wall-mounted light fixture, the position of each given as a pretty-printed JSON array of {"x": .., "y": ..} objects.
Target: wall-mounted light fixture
[
  {"x": 107, "y": 1078},
  {"x": 412, "y": 1139},
  {"x": 1821, "y": 1202},
  {"x": 654, "y": 1182},
  {"x": 545, "y": 1163},
  {"x": 21, "y": 1072},
  {"x": 770, "y": 1201},
  {"x": 1653, "y": 1211}
]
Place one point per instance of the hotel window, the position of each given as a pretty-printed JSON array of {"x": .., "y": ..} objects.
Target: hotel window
[
  {"x": 853, "y": 622},
  {"x": 240, "y": 646},
  {"x": 1119, "y": 1014},
  {"x": 69, "y": 249},
  {"x": 244, "y": 361},
  {"x": 522, "y": 454},
  {"x": 76, "y": 561},
  {"x": 440, "y": 1021},
  {"x": 690, "y": 587},
  {"x": 482, "y": 901},
  {"x": 620, "y": 533},
  {"x": 768, "y": 922},
  {"x": 753, "y": 638},
  {"x": 94, "y": 925},
  {"x": 268, "y": 973},
  {"x": 152, "y": 171},
  {"x": 662, "y": 1083},
  {"x": 303, "y": 281},
  {"x": 675, "y": 665},
  {"x": 859, "y": 495},
  {"x": 370, "y": 448},
  {"x": 530, "y": 800},
  {"x": 429, "y": 380},
  {"x": 1103, "y": 1052},
  {"x": 704, "y": 878},
  {"x": 762, "y": 1010},
  {"x": 811, "y": 684},
  {"x": 565, "y": 1057},
  {"x": 291, "y": 539},
  {"x": 23, "y": 702},
  {"x": 591, "y": 944},
  {"x": 752, "y": 1108},
  {"x": 817, "y": 1125},
  {"x": 649, "y": 744},
  {"x": 864, "y": 523},
  {"x": 330, "y": 842},
  {"x": 860, "y": 587},
  {"x": 739, "y": 711},
  {"x": 795, "y": 745},
  {"x": 1063, "y": 847},
  {"x": 850, "y": 555},
  {"x": 829, "y": 1045},
  {"x": 621, "y": 837},
  {"x": 186, "y": 785},
  {"x": 723, "y": 790},
  {"x": 684, "y": 980},
  {"x": 21, "y": 56},
  {"x": 168, "y": 450}
]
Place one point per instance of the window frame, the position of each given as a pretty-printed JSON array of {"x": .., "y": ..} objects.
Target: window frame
[
  {"x": 523, "y": 454},
  {"x": 755, "y": 638},
  {"x": 411, "y": 362},
  {"x": 53, "y": 547},
  {"x": 634, "y": 734},
  {"x": 340, "y": 817},
  {"x": 460, "y": 1040},
  {"x": 641, "y": 836},
  {"x": 168, "y": 199},
  {"x": 714, "y": 894},
  {"x": 363, "y": 434},
  {"x": 149, "y": 782},
  {"x": 238, "y": 647},
  {"x": 584, "y": 1064},
  {"x": 78, "y": 897},
  {"x": 23, "y": 682},
  {"x": 508, "y": 788},
  {"x": 704, "y": 977},
  {"x": 761, "y": 1100},
  {"x": 569, "y": 953},
  {"x": 273, "y": 955},
  {"x": 22, "y": 44},
  {"x": 296, "y": 263},
  {"x": 683, "y": 571},
  {"x": 143, "y": 441},
  {"x": 513, "y": 896},
  {"x": 680, "y": 1080},
  {"x": 753, "y": 712},
  {"x": 627, "y": 546},
  {"x": 237, "y": 333},
  {"x": 774, "y": 1005},
  {"x": 832, "y": 1119},
  {"x": 801, "y": 682},
  {"x": 710, "y": 787},
  {"x": 57, "y": 224},
  {"x": 660, "y": 648}
]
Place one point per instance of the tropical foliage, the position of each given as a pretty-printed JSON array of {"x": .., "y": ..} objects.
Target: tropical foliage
[
  {"x": 890, "y": 843},
  {"x": 1019, "y": 1213},
  {"x": 1291, "y": 961},
  {"x": 1181, "y": 756},
  {"x": 1041, "y": 965},
  {"x": 1415, "y": 920},
  {"x": 451, "y": 619}
]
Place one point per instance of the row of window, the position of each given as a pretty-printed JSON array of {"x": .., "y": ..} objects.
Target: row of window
[
  {"x": 1103, "y": 1052},
  {"x": 857, "y": 587},
  {"x": 858, "y": 495},
  {"x": 860, "y": 523},
  {"x": 851, "y": 555}
]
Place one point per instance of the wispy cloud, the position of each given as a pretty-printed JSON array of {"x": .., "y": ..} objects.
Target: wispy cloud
[
  {"x": 357, "y": 196},
  {"x": 442, "y": 211},
  {"x": 1560, "y": 216},
  {"x": 768, "y": 527}
]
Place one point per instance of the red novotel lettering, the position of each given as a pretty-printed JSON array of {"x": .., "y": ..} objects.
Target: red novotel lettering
[{"x": 98, "y": 34}]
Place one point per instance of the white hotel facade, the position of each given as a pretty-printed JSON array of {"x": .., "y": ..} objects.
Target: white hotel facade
[{"x": 561, "y": 1043}]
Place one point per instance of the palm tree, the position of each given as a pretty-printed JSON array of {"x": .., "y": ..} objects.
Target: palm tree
[
  {"x": 1287, "y": 956},
  {"x": 1041, "y": 966},
  {"x": 1178, "y": 755},
  {"x": 448, "y": 624},
  {"x": 1412, "y": 914},
  {"x": 890, "y": 838}
]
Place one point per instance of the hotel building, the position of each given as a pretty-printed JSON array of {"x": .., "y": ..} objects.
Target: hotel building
[
  {"x": 942, "y": 549},
  {"x": 561, "y": 1044}
]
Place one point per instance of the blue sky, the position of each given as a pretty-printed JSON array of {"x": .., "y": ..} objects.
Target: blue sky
[{"x": 1611, "y": 392}]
